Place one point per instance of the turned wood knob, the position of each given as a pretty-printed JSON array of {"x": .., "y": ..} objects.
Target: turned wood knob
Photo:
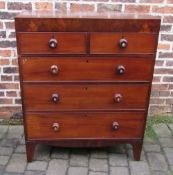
[
  {"x": 120, "y": 70},
  {"x": 123, "y": 43},
  {"x": 115, "y": 126},
  {"x": 53, "y": 43},
  {"x": 55, "y": 126},
  {"x": 118, "y": 98},
  {"x": 55, "y": 98},
  {"x": 54, "y": 69}
]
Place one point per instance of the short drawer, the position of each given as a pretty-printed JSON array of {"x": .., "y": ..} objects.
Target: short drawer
[
  {"x": 83, "y": 97},
  {"x": 119, "y": 43},
  {"x": 87, "y": 69},
  {"x": 52, "y": 43},
  {"x": 84, "y": 125}
]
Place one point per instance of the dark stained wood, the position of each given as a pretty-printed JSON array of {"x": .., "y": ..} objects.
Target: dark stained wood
[
  {"x": 75, "y": 63},
  {"x": 85, "y": 142},
  {"x": 38, "y": 43},
  {"x": 86, "y": 69},
  {"x": 86, "y": 125},
  {"x": 74, "y": 97},
  {"x": 137, "y": 148},
  {"x": 90, "y": 22},
  {"x": 30, "y": 149},
  {"x": 109, "y": 43}
]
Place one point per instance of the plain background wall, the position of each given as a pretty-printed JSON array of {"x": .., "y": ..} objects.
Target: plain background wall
[{"x": 162, "y": 91}]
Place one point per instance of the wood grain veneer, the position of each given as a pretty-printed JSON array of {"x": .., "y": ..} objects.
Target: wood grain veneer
[
  {"x": 87, "y": 69},
  {"x": 85, "y": 77}
]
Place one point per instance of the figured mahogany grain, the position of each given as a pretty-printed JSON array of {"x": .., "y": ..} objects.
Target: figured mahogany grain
[
  {"x": 86, "y": 69},
  {"x": 108, "y": 43},
  {"x": 80, "y": 97},
  {"x": 38, "y": 43},
  {"x": 84, "y": 125},
  {"x": 90, "y": 22},
  {"x": 86, "y": 90}
]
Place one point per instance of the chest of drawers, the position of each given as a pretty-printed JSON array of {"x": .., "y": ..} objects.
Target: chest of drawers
[{"x": 85, "y": 77}]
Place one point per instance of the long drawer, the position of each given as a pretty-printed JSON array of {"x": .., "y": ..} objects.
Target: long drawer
[
  {"x": 123, "y": 43},
  {"x": 84, "y": 125},
  {"x": 52, "y": 43},
  {"x": 83, "y": 97},
  {"x": 86, "y": 69}
]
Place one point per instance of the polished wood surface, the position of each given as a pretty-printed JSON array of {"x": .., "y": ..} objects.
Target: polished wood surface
[
  {"x": 87, "y": 69},
  {"x": 75, "y": 97},
  {"x": 85, "y": 77},
  {"x": 67, "y": 43},
  {"x": 109, "y": 43},
  {"x": 86, "y": 22},
  {"x": 84, "y": 125}
]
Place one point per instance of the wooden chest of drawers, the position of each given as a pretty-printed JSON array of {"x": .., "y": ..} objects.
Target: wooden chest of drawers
[{"x": 85, "y": 78}]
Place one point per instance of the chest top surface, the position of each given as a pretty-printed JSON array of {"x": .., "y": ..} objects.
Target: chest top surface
[{"x": 45, "y": 21}]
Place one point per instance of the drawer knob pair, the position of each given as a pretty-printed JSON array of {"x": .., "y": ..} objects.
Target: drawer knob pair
[
  {"x": 118, "y": 98},
  {"x": 115, "y": 126},
  {"x": 54, "y": 69},
  {"x": 55, "y": 127},
  {"x": 53, "y": 43},
  {"x": 55, "y": 98},
  {"x": 123, "y": 43},
  {"x": 121, "y": 70}
]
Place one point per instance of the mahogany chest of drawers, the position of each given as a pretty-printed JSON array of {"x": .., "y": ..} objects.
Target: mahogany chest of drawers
[{"x": 85, "y": 77}]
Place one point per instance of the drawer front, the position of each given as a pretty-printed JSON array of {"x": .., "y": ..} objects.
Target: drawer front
[
  {"x": 82, "y": 97},
  {"x": 119, "y": 43},
  {"x": 87, "y": 69},
  {"x": 52, "y": 43},
  {"x": 90, "y": 125}
]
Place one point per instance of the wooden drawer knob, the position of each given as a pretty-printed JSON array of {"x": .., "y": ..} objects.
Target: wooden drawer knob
[
  {"x": 53, "y": 43},
  {"x": 55, "y": 126},
  {"x": 55, "y": 98},
  {"x": 118, "y": 98},
  {"x": 115, "y": 126},
  {"x": 123, "y": 43},
  {"x": 120, "y": 70},
  {"x": 54, "y": 69}
]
